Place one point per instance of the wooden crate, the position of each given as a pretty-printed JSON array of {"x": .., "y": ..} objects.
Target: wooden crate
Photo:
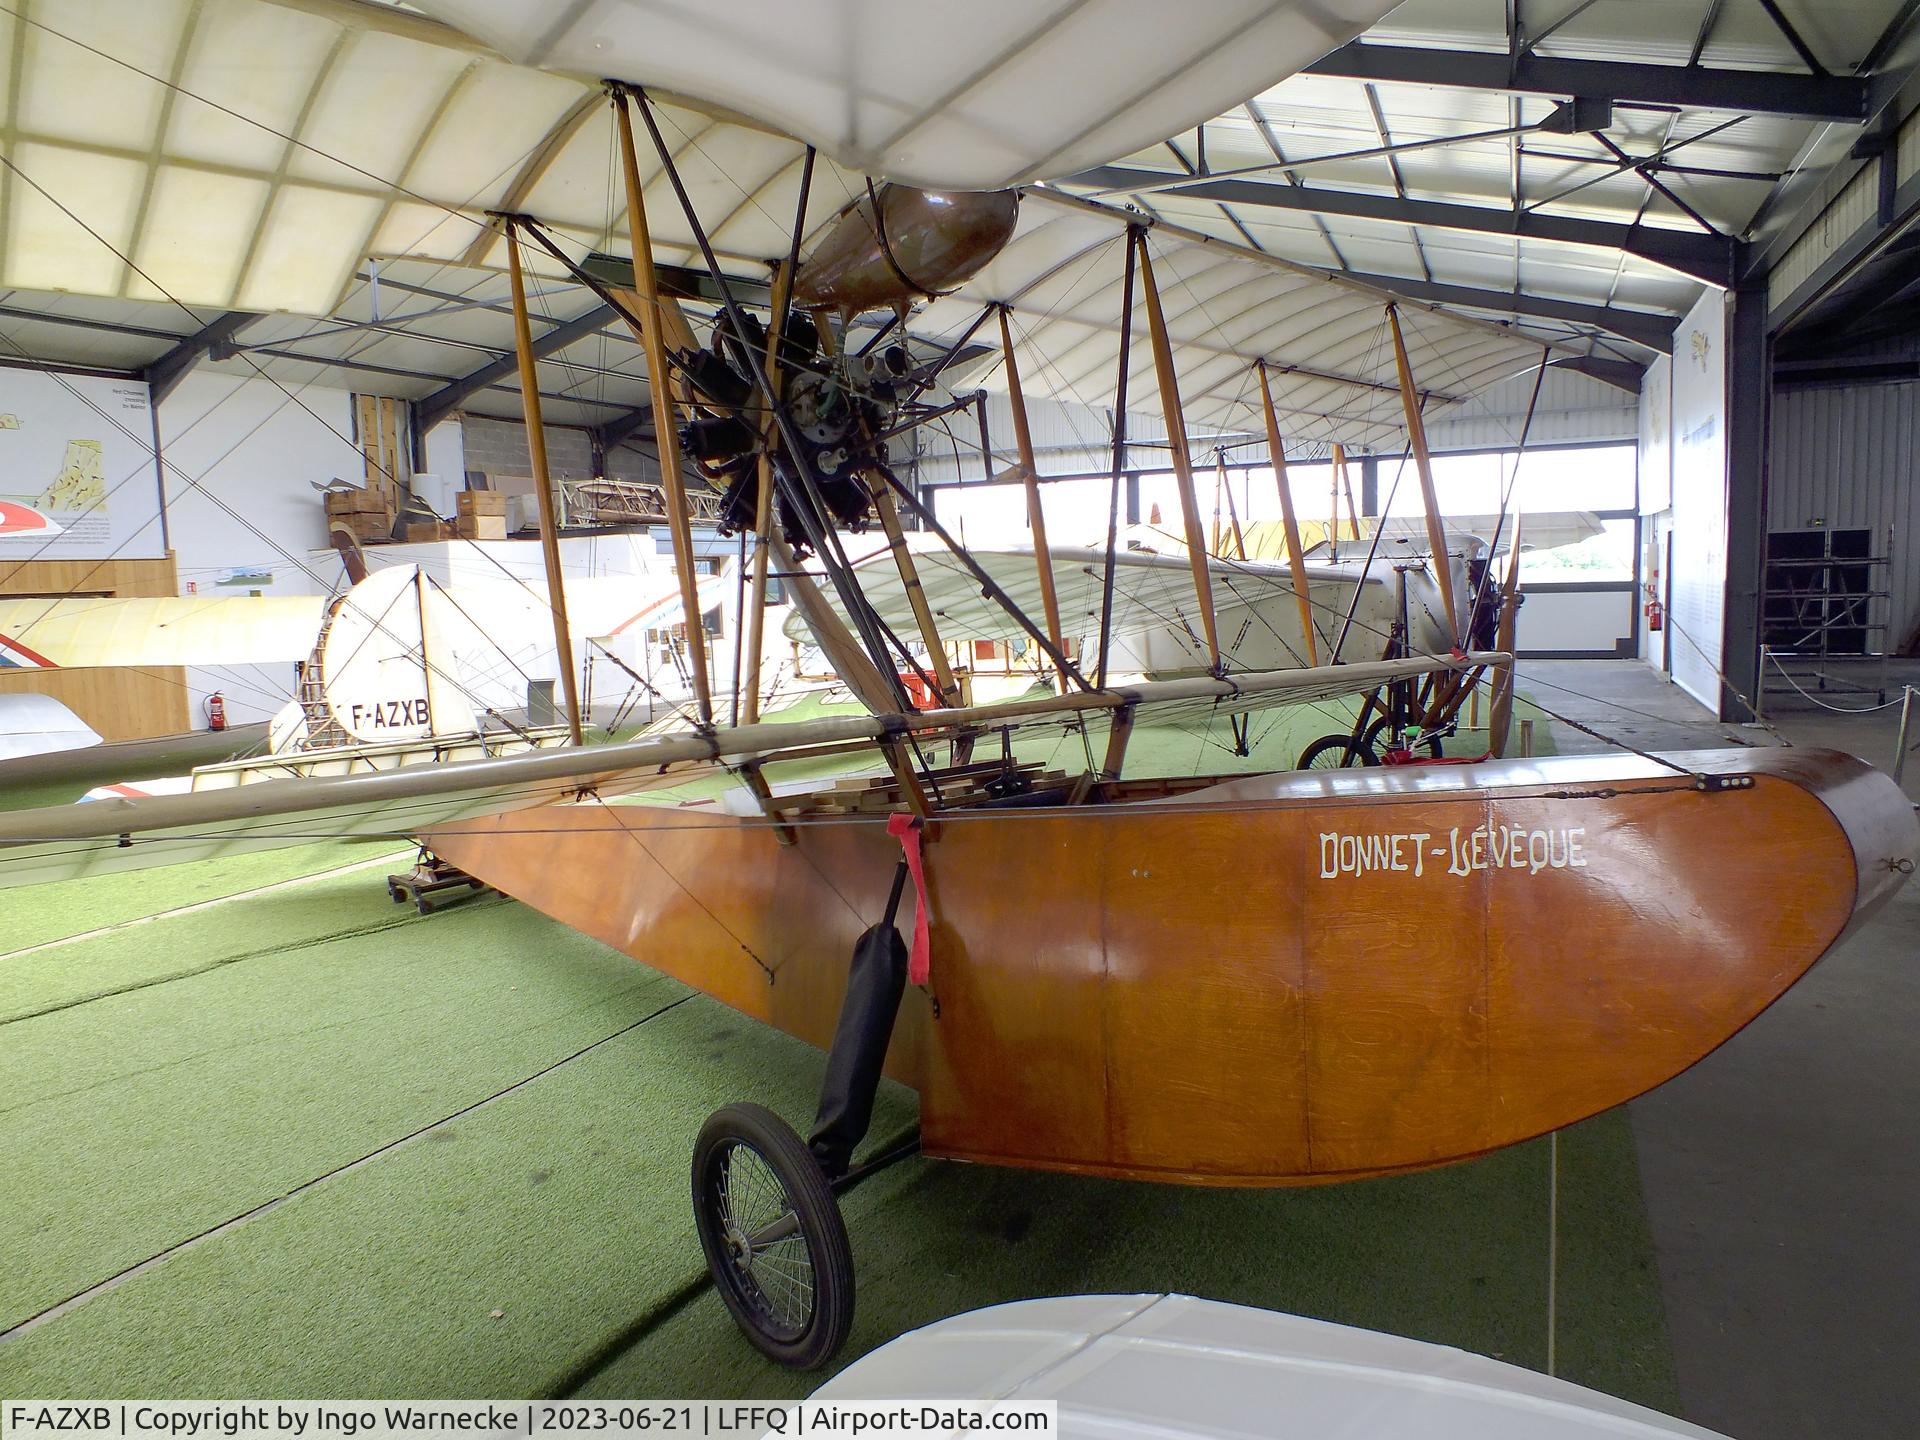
[
  {"x": 420, "y": 532},
  {"x": 377, "y": 426},
  {"x": 481, "y": 527},
  {"x": 483, "y": 502},
  {"x": 357, "y": 502},
  {"x": 371, "y": 525}
]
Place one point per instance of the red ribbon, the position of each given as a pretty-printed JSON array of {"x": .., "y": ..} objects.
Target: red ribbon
[{"x": 920, "y": 953}]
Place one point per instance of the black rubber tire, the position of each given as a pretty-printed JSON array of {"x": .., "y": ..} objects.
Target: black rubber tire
[
  {"x": 1377, "y": 732},
  {"x": 1336, "y": 752},
  {"x": 806, "y": 1341}
]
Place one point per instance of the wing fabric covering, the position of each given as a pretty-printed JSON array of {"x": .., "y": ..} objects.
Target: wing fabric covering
[
  {"x": 60, "y": 842},
  {"x": 1155, "y": 615},
  {"x": 1149, "y": 589},
  {"x": 94, "y": 631},
  {"x": 963, "y": 98},
  {"x": 188, "y": 630}
]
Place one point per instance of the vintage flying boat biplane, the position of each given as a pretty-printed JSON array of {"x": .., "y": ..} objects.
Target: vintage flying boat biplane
[{"x": 1285, "y": 978}]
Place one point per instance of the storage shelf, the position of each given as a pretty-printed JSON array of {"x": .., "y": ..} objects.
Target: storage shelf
[{"x": 1818, "y": 608}]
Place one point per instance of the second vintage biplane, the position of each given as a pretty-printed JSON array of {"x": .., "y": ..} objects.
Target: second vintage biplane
[{"x": 1281, "y": 978}]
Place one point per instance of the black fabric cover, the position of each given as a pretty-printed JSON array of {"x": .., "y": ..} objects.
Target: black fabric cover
[{"x": 875, "y": 983}]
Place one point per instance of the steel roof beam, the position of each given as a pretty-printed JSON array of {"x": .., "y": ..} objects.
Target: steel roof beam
[
  {"x": 1621, "y": 374},
  {"x": 437, "y": 406},
  {"x": 1703, "y": 257},
  {"x": 1655, "y": 332},
  {"x": 369, "y": 367},
  {"x": 635, "y": 425},
  {"x": 1694, "y": 87},
  {"x": 82, "y": 322},
  {"x": 171, "y": 368},
  {"x": 1868, "y": 240}
]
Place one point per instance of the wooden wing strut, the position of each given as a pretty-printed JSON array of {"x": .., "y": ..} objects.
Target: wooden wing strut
[
  {"x": 1296, "y": 561},
  {"x": 1177, "y": 442},
  {"x": 1500, "y": 703},
  {"x": 543, "y": 484},
  {"x": 666, "y": 436},
  {"x": 756, "y": 618},
  {"x": 1423, "y": 462},
  {"x": 1036, "y": 515}
]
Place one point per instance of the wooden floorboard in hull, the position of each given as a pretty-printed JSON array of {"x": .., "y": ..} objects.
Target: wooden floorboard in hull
[{"x": 1282, "y": 979}]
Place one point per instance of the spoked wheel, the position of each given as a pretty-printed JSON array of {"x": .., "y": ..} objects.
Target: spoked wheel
[
  {"x": 1379, "y": 733},
  {"x": 1336, "y": 752},
  {"x": 773, "y": 1236}
]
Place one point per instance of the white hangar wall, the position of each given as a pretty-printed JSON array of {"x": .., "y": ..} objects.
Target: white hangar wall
[
  {"x": 244, "y": 459},
  {"x": 1654, "y": 444},
  {"x": 1684, "y": 460},
  {"x": 238, "y": 456}
]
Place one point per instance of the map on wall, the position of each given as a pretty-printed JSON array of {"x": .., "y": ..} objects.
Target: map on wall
[{"x": 77, "y": 474}]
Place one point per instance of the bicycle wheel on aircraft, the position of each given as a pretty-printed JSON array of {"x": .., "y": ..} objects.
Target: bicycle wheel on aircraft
[
  {"x": 1379, "y": 733},
  {"x": 1336, "y": 752},
  {"x": 773, "y": 1236}
]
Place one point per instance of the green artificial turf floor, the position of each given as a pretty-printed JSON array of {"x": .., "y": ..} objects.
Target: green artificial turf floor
[{"x": 302, "y": 1142}]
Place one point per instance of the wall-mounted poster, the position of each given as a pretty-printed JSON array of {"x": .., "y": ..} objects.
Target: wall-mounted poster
[
  {"x": 77, "y": 476},
  {"x": 1656, "y": 437},
  {"x": 1700, "y": 498}
]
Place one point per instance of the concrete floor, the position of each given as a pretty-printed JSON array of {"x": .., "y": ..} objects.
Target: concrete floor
[{"x": 1782, "y": 1173}]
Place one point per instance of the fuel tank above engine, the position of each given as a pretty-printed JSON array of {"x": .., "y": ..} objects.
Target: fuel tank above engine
[{"x": 909, "y": 246}]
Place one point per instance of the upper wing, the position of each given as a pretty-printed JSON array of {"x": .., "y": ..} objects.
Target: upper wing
[
  {"x": 472, "y": 132},
  {"x": 1151, "y": 590},
  {"x": 252, "y": 630},
  {"x": 603, "y": 606},
  {"x": 963, "y": 97},
  {"x": 184, "y": 630},
  {"x": 1546, "y": 530}
]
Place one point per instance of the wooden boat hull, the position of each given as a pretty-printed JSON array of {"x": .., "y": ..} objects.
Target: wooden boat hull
[{"x": 1280, "y": 979}]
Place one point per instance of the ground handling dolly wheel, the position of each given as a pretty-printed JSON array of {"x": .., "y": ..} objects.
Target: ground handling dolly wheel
[
  {"x": 1336, "y": 752},
  {"x": 773, "y": 1236}
]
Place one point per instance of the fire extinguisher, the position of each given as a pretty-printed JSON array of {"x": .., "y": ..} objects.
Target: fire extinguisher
[
  {"x": 1656, "y": 614},
  {"x": 216, "y": 712}
]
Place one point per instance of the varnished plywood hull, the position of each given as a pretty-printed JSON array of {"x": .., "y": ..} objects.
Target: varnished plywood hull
[{"x": 1284, "y": 979}]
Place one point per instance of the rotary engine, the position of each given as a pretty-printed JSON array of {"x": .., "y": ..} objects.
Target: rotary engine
[
  {"x": 839, "y": 407},
  {"x": 889, "y": 249}
]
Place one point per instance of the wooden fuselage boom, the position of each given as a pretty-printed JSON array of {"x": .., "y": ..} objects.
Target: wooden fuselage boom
[{"x": 1275, "y": 980}]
